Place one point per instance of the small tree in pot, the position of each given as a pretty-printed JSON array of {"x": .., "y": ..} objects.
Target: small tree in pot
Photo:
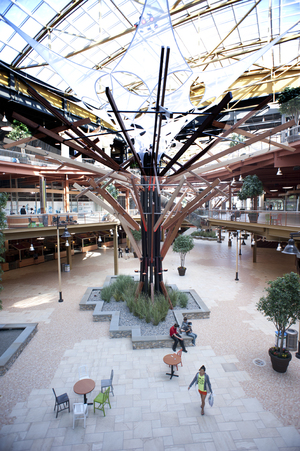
[
  {"x": 252, "y": 187},
  {"x": 281, "y": 305},
  {"x": 183, "y": 244},
  {"x": 289, "y": 104}
]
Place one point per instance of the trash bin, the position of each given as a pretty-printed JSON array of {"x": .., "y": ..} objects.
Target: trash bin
[
  {"x": 292, "y": 339},
  {"x": 67, "y": 268},
  {"x": 278, "y": 341}
]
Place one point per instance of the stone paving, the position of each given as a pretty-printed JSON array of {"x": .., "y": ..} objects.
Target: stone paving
[{"x": 254, "y": 408}]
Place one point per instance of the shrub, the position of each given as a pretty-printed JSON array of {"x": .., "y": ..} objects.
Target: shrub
[
  {"x": 124, "y": 288},
  {"x": 107, "y": 293},
  {"x": 204, "y": 233},
  {"x": 182, "y": 299}
]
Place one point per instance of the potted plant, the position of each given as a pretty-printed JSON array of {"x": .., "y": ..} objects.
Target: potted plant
[
  {"x": 281, "y": 305},
  {"x": 289, "y": 104},
  {"x": 252, "y": 187},
  {"x": 183, "y": 244}
]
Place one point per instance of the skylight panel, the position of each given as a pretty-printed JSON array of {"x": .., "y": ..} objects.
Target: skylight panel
[
  {"x": 8, "y": 53},
  {"x": 17, "y": 42},
  {"x": 16, "y": 16},
  {"x": 31, "y": 27},
  {"x": 44, "y": 13}
]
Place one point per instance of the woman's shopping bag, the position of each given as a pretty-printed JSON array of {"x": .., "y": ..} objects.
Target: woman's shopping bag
[{"x": 211, "y": 399}]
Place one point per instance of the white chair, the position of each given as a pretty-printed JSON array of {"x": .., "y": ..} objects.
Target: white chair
[
  {"x": 83, "y": 372},
  {"x": 108, "y": 383},
  {"x": 80, "y": 412}
]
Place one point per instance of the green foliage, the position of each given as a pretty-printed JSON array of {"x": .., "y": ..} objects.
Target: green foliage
[
  {"x": 281, "y": 305},
  {"x": 177, "y": 297},
  {"x": 236, "y": 139},
  {"x": 3, "y": 202},
  {"x": 137, "y": 234},
  {"x": 288, "y": 94},
  {"x": 183, "y": 244},
  {"x": 289, "y": 101},
  {"x": 182, "y": 299},
  {"x": 113, "y": 191},
  {"x": 210, "y": 233},
  {"x": 124, "y": 288},
  {"x": 18, "y": 131},
  {"x": 107, "y": 293},
  {"x": 252, "y": 187}
]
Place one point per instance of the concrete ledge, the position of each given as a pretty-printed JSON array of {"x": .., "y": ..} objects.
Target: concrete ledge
[
  {"x": 134, "y": 332},
  {"x": 15, "y": 349}
]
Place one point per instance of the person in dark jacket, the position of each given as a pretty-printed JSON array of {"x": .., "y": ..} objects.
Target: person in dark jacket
[
  {"x": 203, "y": 384},
  {"x": 23, "y": 210}
]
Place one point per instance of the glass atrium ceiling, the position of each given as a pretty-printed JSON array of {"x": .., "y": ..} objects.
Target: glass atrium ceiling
[{"x": 96, "y": 33}]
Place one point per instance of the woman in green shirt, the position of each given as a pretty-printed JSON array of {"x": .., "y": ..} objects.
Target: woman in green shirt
[{"x": 203, "y": 382}]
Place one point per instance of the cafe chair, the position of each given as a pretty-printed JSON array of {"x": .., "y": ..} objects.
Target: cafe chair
[
  {"x": 83, "y": 372},
  {"x": 62, "y": 402},
  {"x": 180, "y": 355},
  {"x": 102, "y": 399},
  {"x": 108, "y": 383},
  {"x": 80, "y": 412}
]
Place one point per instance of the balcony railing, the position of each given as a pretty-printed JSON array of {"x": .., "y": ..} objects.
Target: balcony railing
[{"x": 265, "y": 217}]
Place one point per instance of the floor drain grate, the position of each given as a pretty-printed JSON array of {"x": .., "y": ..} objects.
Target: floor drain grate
[{"x": 259, "y": 362}]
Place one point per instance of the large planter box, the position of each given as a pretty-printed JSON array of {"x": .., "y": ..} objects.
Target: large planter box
[
  {"x": 26, "y": 262},
  {"x": 62, "y": 254},
  {"x": 92, "y": 247},
  {"x": 5, "y": 266}
]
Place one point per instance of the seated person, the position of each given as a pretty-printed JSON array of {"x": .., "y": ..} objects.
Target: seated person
[
  {"x": 177, "y": 338},
  {"x": 186, "y": 327}
]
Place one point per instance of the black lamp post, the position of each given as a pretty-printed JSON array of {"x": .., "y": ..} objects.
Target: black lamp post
[
  {"x": 66, "y": 234},
  {"x": 291, "y": 249}
]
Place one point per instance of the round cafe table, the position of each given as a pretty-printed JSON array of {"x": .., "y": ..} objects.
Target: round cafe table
[
  {"x": 172, "y": 360},
  {"x": 83, "y": 387}
]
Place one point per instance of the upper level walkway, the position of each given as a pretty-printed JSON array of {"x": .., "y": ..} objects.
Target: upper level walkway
[{"x": 270, "y": 223}]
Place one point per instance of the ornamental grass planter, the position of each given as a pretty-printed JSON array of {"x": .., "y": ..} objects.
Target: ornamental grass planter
[{"x": 280, "y": 364}]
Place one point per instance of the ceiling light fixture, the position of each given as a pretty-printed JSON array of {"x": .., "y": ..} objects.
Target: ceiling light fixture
[{"x": 279, "y": 172}]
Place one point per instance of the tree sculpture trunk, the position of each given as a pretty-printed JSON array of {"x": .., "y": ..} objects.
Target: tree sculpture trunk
[{"x": 151, "y": 264}]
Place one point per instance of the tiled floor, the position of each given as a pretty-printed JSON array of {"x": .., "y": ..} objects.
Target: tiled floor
[{"x": 255, "y": 408}]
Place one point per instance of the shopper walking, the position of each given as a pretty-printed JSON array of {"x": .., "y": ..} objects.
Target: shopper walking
[{"x": 203, "y": 384}]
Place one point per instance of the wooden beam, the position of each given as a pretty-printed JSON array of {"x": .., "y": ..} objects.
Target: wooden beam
[
  {"x": 137, "y": 198},
  {"x": 251, "y": 135},
  {"x": 170, "y": 202},
  {"x": 244, "y": 144},
  {"x": 192, "y": 202},
  {"x": 206, "y": 123}
]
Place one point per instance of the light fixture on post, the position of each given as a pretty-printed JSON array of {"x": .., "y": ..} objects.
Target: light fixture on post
[
  {"x": 99, "y": 239},
  {"x": 236, "y": 234},
  {"x": 279, "y": 172},
  {"x": 66, "y": 234},
  {"x": 233, "y": 181},
  {"x": 291, "y": 249},
  {"x": 279, "y": 248},
  {"x": 241, "y": 178},
  {"x": 31, "y": 247}
]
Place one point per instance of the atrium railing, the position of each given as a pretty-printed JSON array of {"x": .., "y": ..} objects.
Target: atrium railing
[{"x": 267, "y": 217}]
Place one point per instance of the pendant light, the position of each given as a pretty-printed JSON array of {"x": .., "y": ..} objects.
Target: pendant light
[{"x": 279, "y": 172}]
